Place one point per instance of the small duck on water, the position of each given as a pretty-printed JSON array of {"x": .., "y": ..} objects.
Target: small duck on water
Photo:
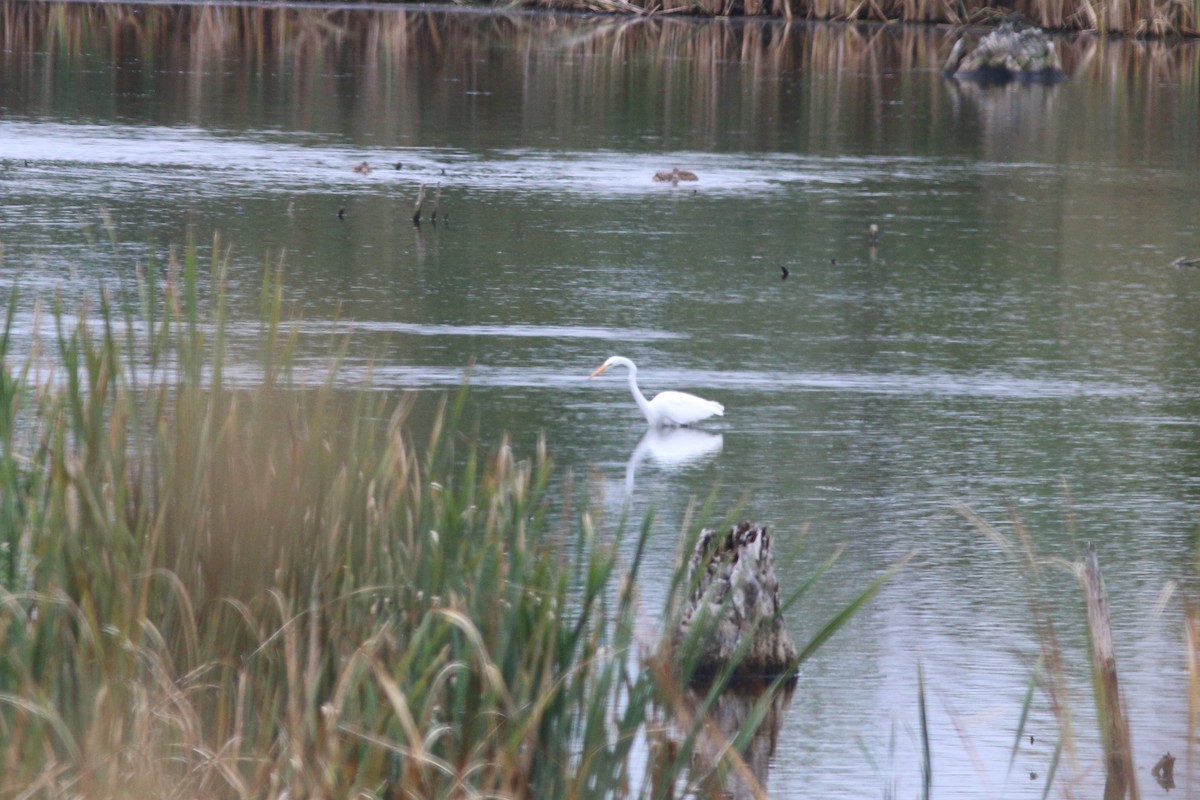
[{"x": 674, "y": 176}]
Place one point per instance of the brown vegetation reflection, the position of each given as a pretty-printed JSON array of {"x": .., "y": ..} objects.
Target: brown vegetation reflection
[
  {"x": 1139, "y": 17},
  {"x": 389, "y": 73}
]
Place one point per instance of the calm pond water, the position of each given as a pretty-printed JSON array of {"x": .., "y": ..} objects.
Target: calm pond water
[{"x": 1018, "y": 337}]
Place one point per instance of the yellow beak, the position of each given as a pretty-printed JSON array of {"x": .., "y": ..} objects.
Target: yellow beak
[{"x": 598, "y": 371}]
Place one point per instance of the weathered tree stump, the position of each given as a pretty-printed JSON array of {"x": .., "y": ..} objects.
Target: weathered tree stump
[
  {"x": 1015, "y": 51},
  {"x": 735, "y": 602}
]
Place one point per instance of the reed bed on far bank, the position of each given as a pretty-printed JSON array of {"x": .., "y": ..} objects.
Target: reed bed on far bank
[
  {"x": 395, "y": 34},
  {"x": 1123, "y": 17},
  {"x": 267, "y": 591}
]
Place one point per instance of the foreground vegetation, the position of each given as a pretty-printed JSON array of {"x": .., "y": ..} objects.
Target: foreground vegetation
[
  {"x": 268, "y": 590},
  {"x": 265, "y": 589}
]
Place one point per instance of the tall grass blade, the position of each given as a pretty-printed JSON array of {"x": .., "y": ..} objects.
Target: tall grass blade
[
  {"x": 926, "y": 756},
  {"x": 847, "y": 613},
  {"x": 1052, "y": 772},
  {"x": 1026, "y": 705}
]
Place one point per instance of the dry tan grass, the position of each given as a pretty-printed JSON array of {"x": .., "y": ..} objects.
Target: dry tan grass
[{"x": 208, "y": 31}]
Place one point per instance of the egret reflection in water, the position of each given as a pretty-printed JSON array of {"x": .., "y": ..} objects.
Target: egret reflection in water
[{"x": 671, "y": 449}]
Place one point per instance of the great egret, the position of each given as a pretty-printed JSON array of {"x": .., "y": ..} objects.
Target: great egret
[{"x": 667, "y": 408}]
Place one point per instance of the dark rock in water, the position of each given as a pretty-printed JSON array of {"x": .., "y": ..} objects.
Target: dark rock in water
[
  {"x": 735, "y": 598},
  {"x": 1015, "y": 51},
  {"x": 1164, "y": 771}
]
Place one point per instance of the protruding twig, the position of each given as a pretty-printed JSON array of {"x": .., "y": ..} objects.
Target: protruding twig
[{"x": 417, "y": 208}]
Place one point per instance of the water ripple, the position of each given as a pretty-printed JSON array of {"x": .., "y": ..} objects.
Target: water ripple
[{"x": 95, "y": 162}]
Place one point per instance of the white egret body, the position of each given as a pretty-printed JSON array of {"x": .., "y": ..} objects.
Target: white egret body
[{"x": 667, "y": 408}]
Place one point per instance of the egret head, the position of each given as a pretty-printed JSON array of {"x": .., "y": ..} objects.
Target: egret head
[
  {"x": 600, "y": 369},
  {"x": 613, "y": 361}
]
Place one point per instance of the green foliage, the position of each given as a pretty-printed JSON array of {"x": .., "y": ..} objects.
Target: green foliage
[{"x": 245, "y": 589}]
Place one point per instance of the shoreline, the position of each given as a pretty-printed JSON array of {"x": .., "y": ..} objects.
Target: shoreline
[{"x": 1154, "y": 21}]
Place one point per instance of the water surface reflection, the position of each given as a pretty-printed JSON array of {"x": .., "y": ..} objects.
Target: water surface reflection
[
  {"x": 1016, "y": 338},
  {"x": 670, "y": 449}
]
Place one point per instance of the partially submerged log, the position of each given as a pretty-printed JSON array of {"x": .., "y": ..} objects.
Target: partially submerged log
[
  {"x": 1015, "y": 51},
  {"x": 732, "y": 615}
]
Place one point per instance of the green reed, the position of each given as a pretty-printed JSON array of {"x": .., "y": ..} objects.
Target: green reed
[{"x": 266, "y": 588}]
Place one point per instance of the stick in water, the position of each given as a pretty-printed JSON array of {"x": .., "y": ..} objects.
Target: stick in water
[{"x": 417, "y": 207}]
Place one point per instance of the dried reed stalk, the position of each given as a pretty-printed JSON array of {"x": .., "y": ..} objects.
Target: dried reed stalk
[{"x": 1118, "y": 752}]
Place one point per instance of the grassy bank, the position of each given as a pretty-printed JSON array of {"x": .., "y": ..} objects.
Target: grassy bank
[{"x": 269, "y": 591}]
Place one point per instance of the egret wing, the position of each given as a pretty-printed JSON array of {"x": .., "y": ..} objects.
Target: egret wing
[{"x": 681, "y": 408}]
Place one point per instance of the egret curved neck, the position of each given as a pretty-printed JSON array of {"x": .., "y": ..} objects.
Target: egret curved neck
[{"x": 638, "y": 397}]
